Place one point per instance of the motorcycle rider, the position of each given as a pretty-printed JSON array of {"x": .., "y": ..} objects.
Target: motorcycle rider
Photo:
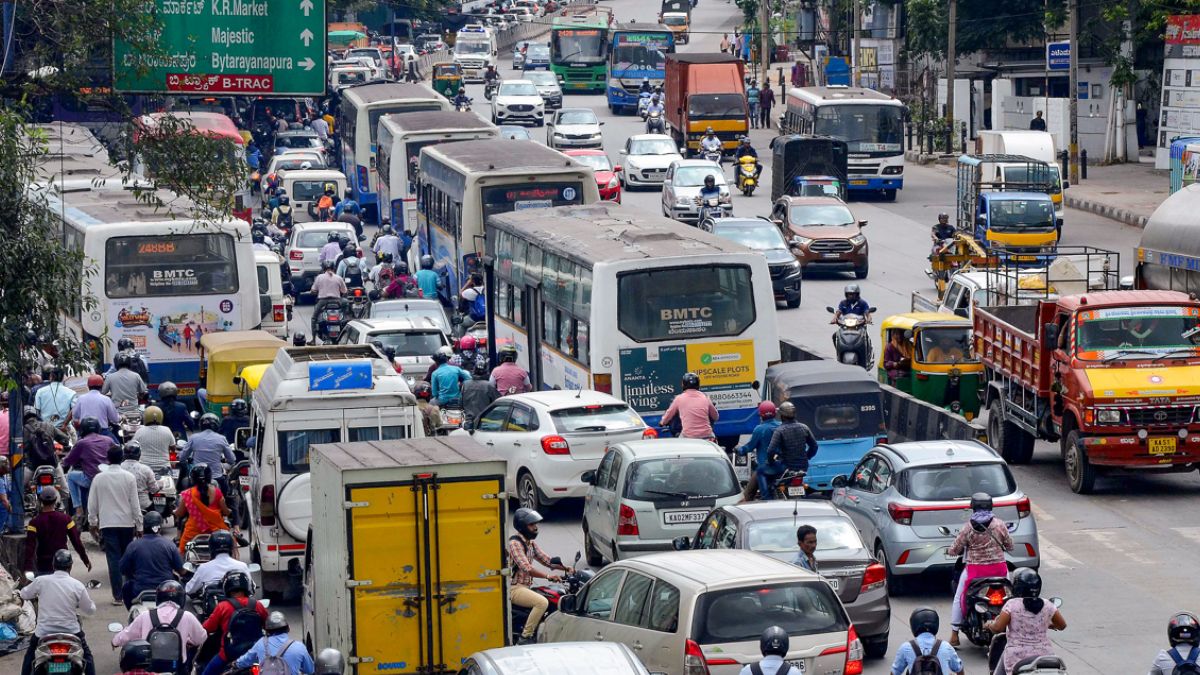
[
  {"x": 169, "y": 602},
  {"x": 982, "y": 541},
  {"x": 403, "y": 284},
  {"x": 645, "y": 88},
  {"x": 431, "y": 415},
  {"x": 655, "y": 106},
  {"x": 943, "y": 229},
  {"x": 350, "y": 267},
  {"x": 149, "y": 561},
  {"x": 332, "y": 248},
  {"x": 693, "y": 408},
  {"x": 774, "y": 645},
  {"x": 853, "y": 304},
  {"x": 137, "y": 361},
  {"x": 508, "y": 377},
  {"x": 282, "y": 215},
  {"x": 84, "y": 460},
  {"x": 147, "y": 484},
  {"x": 124, "y": 386},
  {"x": 209, "y": 447},
  {"x": 388, "y": 244},
  {"x": 238, "y": 418},
  {"x": 157, "y": 441},
  {"x": 924, "y": 622},
  {"x": 710, "y": 143},
  {"x": 329, "y": 289},
  {"x": 477, "y": 393},
  {"x": 237, "y": 589},
  {"x": 523, "y": 550},
  {"x": 278, "y": 643},
  {"x": 793, "y": 442},
  {"x": 1026, "y": 617},
  {"x": 48, "y": 532},
  {"x": 220, "y": 543},
  {"x": 95, "y": 404},
  {"x": 760, "y": 439},
  {"x": 348, "y": 204},
  {"x": 55, "y": 400},
  {"x": 135, "y": 658},
  {"x": 38, "y": 448},
  {"x": 61, "y": 599},
  {"x": 461, "y": 100},
  {"x": 709, "y": 190},
  {"x": 446, "y": 383},
  {"x": 747, "y": 150},
  {"x": 175, "y": 412},
  {"x": 490, "y": 77},
  {"x": 427, "y": 279},
  {"x": 258, "y": 239},
  {"x": 1183, "y": 630}
]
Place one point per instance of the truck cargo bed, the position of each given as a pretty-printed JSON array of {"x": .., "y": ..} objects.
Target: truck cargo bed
[{"x": 1022, "y": 317}]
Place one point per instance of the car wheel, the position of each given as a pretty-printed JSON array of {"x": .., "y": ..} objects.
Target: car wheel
[
  {"x": 589, "y": 549},
  {"x": 895, "y": 583},
  {"x": 861, "y": 272},
  {"x": 527, "y": 491},
  {"x": 793, "y": 304},
  {"x": 1080, "y": 472},
  {"x": 876, "y": 646}
]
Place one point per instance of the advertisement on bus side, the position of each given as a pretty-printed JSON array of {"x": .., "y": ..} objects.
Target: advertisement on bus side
[
  {"x": 168, "y": 329},
  {"x": 650, "y": 376}
]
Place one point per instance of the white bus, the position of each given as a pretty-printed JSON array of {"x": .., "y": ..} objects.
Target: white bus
[
  {"x": 461, "y": 184},
  {"x": 357, "y": 127},
  {"x": 871, "y": 124},
  {"x": 401, "y": 138},
  {"x": 161, "y": 281},
  {"x": 602, "y": 297}
]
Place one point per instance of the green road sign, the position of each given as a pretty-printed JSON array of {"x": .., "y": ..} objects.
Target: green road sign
[{"x": 261, "y": 47}]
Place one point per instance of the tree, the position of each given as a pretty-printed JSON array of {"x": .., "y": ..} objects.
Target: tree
[{"x": 982, "y": 24}]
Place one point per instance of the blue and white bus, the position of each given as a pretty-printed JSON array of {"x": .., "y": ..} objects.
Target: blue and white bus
[
  {"x": 871, "y": 124},
  {"x": 639, "y": 52}
]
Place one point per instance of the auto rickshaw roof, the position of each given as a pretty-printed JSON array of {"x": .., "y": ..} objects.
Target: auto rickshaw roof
[
  {"x": 910, "y": 320},
  {"x": 216, "y": 345},
  {"x": 252, "y": 375},
  {"x": 822, "y": 377}
]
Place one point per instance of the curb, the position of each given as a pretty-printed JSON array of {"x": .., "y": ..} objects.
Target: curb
[{"x": 1108, "y": 211}]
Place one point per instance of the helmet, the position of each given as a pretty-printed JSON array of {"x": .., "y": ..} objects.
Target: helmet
[
  {"x": 299, "y": 340},
  {"x": 445, "y": 350},
  {"x": 330, "y": 662},
  {"x": 423, "y": 391},
  {"x": 1183, "y": 628},
  {"x": 787, "y": 410},
  {"x": 766, "y": 410},
  {"x": 152, "y": 415},
  {"x": 220, "y": 541},
  {"x": 387, "y": 228},
  {"x": 943, "y": 216},
  {"x": 239, "y": 407},
  {"x": 401, "y": 267},
  {"x": 773, "y": 641},
  {"x": 331, "y": 237},
  {"x": 481, "y": 367},
  {"x": 48, "y": 495},
  {"x": 152, "y": 521},
  {"x": 508, "y": 352},
  {"x": 852, "y": 289},
  {"x": 1026, "y": 583},
  {"x": 466, "y": 343},
  {"x": 89, "y": 425},
  {"x": 132, "y": 450},
  {"x": 456, "y": 360},
  {"x": 745, "y": 140},
  {"x": 654, "y": 98},
  {"x": 167, "y": 389},
  {"x": 343, "y": 239},
  {"x": 426, "y": 262},
  {"x": 170, "y": 591},
  {"x": 96, "y": 382},
  {"x": 386, "y": 258},
  {"x": 135, "y": 655},
  {"x": 276, "y": 623},
  {"x": 210, "y": 421},
  {"x": 709, "y": 131},
  {"x": 124, "y": 344},
  {"x": 350, "y": 249},
  {"x": 348, "y": 192},
  {"x": 62, "y": 560},
  {"x": 326, "y": 265},
  {"x": 29, "y": 413},
  {"x": 924, "y": 620},
  {"x": 235, "y": 580},
  {"x": 122, "y": 360},
  {"x": 645, "y": 80},
  {"x": 257, "y": 236},
  {"x": 201, "y": 473},
  {"x": 981, "y": 501},
  {"x": 523, "y": 518},
  {"x": 304, "y": 166},
  {"x": 691, "y": 381}
]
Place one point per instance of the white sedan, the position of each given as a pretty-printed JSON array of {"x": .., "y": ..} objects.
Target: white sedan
[
  {"x": 647, "y": 158},
  {"x": 574, "y": 128}
]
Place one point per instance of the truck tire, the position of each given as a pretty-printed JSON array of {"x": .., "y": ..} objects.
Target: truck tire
[
  {"x": 1080, "y": 473},
  {"x": 1015, "y": 446}
]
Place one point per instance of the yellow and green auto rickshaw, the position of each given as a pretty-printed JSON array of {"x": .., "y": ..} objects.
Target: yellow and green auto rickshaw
[
  {"x": 447, "y": 79},
  {"x": 224, "y": 355},
  {"x": 937, "y": 364}
]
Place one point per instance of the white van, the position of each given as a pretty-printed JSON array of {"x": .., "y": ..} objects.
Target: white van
[
  {"x": 325, "y": 394},
  {"x": 273, "y": 303},
  {"x": 343, "y": 76},
  {"x": 305, "y": 187}
]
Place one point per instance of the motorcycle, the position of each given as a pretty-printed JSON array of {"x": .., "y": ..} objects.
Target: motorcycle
[
  {"x": 654, "y": 123},
  {"x": 489, "y": 90},
  {"x": 643, "y": 103},
  {"x": 239, "y": 482},
  {"x": 747, "y": 174},
  {"x": 330, "y": 322},
  {"x": 43, "y": 476},
  {"x": 131, "y": 421},
  {"x": 570, "y": 585},
  {"x": 1046, "y": 664},
  {"x": 163, "y": 499},
  {"x": 851, "y": 340},
  {"x": 790, "y": 485},
  {"x": 713, "y": 156},
  {"x": 452, "y": 418},
  {"x": 360, "y": 302},
  {"x": 710, "y": 208},
  {"x": 58, "y": 654},
  {"x": 463, "y": 106},
  {"x": 985, "y": 597}
]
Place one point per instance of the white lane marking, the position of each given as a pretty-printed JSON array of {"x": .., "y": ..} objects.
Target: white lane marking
[
  {"x": 1057, "y": 558},
  {"x": 1040, "y": 514},
  {"x": 1192, "y": 533},
  {"x": 1108, "y": 539}
]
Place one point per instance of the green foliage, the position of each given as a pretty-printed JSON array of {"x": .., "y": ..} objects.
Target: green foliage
[{"x": 982, "y": 24}]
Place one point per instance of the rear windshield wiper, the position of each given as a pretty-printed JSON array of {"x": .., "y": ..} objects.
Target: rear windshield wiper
[
  {"x": 680, "y": 495},
  {"x": 596, "y": 427}
]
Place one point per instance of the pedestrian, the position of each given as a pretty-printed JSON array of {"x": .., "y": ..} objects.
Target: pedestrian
[
  {"x": 752, "y": 97},
  {"x": 806, "y": 539},
  {"x": 61, "y": 600},
  {"x": 925, "y": 651},
  {"x": 169, "y": 603},
  {"x": 113, "y": 507},
  {"x": 766, "y": 102},
  {"x": 149, "y": 561},
  {"x": 1037, "y": 123},
  {"x": 693, "y": 409},
  {"x": 277, "y": 646},
  {"x": 48, "y": 532},
  {"x": 725, "y": 43}
]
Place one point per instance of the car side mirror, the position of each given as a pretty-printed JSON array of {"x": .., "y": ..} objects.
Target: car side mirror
[
  {"x": 830, "y": 309},
  {"x": 1056, "y": 601},
  {"x": 468, "y": 426},
  {"x": 568, "y": 604},
  {"x": 1066, "y": 184},
  {"x": 618, "y": 168},
  {"x": 873, "y": 309},
  {"x": 840, "y": 481},
  {"x": 1050, "y": 336},
  {"x": 602, "y": 124},
  {"x": 681, "y": 543},
  {"x": 254, "y": 568},
  {"x": 862, "y": 223},
  {"x": 588, "y": 477}
]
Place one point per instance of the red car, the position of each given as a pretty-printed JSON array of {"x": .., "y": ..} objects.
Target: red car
[{"x": 606, "y": 173}]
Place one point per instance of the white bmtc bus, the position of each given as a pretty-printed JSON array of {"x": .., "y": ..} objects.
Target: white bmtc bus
[
  {"x": 871, "y": 124},
  {"x": 602, "y": 297},
  {"x": 357, "y": 126},
  {"x": 462, "y": 184},
  {"x": 401, "y": 138}
]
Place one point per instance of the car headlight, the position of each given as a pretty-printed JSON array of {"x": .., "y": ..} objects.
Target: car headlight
[
  {"x": 558, "y": 135},
  {"x": 797, "y": 240},
  {"x": 858, "y": 240},
  {"x": 1108, "y": 416},
  {"x": 683, "y": 201},
  {"x": 613, "y": 182},
  {"x": 597, "y": 135}
]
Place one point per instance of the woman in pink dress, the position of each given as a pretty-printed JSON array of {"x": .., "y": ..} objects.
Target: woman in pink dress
[
  {"x": 982, "y": 541},
  {"x": 1026, "y": 619}
]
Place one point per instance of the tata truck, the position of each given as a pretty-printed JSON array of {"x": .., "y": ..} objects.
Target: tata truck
[
  {"x": 404, "y": 570},
  {"x": 706, "y": 90},
  {"x": 1006, "y": 217},
  {"x": 1038, "y": 145}
]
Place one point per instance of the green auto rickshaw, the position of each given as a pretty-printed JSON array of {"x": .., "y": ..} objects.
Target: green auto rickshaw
[
  {"x": 447, "y": 79},
  {"x": 938, "y": 364}
]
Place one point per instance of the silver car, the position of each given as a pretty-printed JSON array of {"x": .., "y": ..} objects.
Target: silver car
[
  {"x": 681, "y": 189},
  {"x": 646, "y": 493},
  {"x": 412, "y": 308},
  {"x": 548, "y": 86},
  {"x": 584, "y": 658},
  {"x": 909, "y": 500}
]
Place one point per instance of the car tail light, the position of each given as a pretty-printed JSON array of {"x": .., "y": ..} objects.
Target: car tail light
[
  {"x": 602, "y": 382},
  {"x": 627, "y": 521},
  {"x": 296, "y": 255},
  {"x": 277, "y": 311},
  {"x": 995, "y": 596},
  {"x": 723, "y": 661},
  {"x": 555, "y": 445},
  {"x": 266, "y": 506},
  {"x": 901, "y": 514},
  {"x": 874, "y": 577},
  {"x": 693, "y": 658},
  {"x": 854, "y": 653},
  {"x": 1024, "y": 507},
  {"x": 649, "y": 433}
]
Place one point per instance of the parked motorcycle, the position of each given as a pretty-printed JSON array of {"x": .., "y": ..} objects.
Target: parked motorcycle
[
  {"x": 852, "y": 341},
  {"x": 747, "y": 174},
  {"x": 570, "y": 585},
  {"x": 654, "y": 123},
  {"x": 330, "y": 322}
]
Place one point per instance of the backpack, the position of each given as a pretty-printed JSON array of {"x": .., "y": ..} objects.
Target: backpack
[
  {"x": 325, "y": 202},
  {"x": 285, "y": 217},
  {"x": 784, "y": 669},
  {"x": 479, "y": 307},
  {"x": 1185, "y": 666},
  {"x": 274, "y": 664},
  {"x": 926, "y": 664},
  {"x": 386, "y": 274},
  {"x": 39, "y": 445},
  {"x": 245, "y": 628},
  {"x": 166, "y": 645},
  {"x": 353, "y": 272}
]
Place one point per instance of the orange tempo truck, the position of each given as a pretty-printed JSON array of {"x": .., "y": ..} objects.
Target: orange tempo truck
[
  {"x": 706, "y": 90},
  {"x": 1113, "y": 375}
]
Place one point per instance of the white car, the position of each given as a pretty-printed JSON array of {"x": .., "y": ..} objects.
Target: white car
[
  {"x": 408, "y": 52},
  {"x": 413, "y": 339},
  {"x": 411, "y": 308},
  {"x": 681, "y": 189},
  {"x": 522, "y": 13},
  {"x": 574, "y": 128},
  {"x": 647, "y": 158},
  {"x": 550, "y": 438},
  {"x": 518, "y": 101},
  {"x": 304, "y": 249}
]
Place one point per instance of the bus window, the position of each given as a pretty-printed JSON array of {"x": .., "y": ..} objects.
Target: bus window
[
  {"x": 702, "y": 301},
  {"x": 194, "y": 264}
]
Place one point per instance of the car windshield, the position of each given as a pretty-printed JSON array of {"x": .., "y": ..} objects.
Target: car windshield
[
  {"x": 295, "y": 163},
  {"x": 538, "y": 51},
  {"x": 653, "y": 146},
  {"x": 411, "y": 343},
  {"x": 612, "y": 417},
  {"x": 1025, "y": 215},
  {"x": 403, "y": 310},
  {"x": 758, "y": 237},
  {"x": 515, "y": 133},
  {"x": 820, "y": 214},
  {"x": 597, "y": 162},
  {"x": 542, "y": 78},
  {"x": 779, "y": 536},
  {"x": 693, "y": 176},
  {"x": 742, "y": 614},
  {"x": 1107, "y": 333},
  {"x": 364, "y": 53},
  {"x": 947, "y": 482},
  {"x": 675, "y": 478},
  {"x": 297, "y": 142},
  {"x": 944, "y": 345},
  {"x": 716, "y": 106},
  {"x": 518, "y": 89},
  {"x": 865, "y": 128},
  {"x": 577, "y": 117},
  {"x": 472, "y": 48}
]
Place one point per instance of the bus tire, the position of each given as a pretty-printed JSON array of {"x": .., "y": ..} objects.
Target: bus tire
[{"x": 890, "y": 194}]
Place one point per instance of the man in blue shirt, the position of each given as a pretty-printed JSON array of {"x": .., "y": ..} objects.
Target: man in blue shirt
[
  {"x": 428, "y": 279},
  {"x": 760, "y": 441},
  {"x": 150, "y": 560},
  {"x": 209, "y": 447},
  {"x": 277, "y": 643},
  {"x": 853, "y": 304},
  {"x": 55, "y": 400},
  {"x": 175, "y": 412},
  {"x": 924, "y": 623},
  {"x": 447, "y": 381}
]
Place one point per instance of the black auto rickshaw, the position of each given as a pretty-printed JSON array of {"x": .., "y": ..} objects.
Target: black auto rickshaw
[{"x": 798, "y": 158}]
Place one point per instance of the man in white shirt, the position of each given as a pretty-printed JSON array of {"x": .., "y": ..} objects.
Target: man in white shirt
[
  {"x": 774, "y": 644},
  {"x": 61, "y": 600},
  {"x": 221, "y": 545},
  {"x": 113, "y": 507}
]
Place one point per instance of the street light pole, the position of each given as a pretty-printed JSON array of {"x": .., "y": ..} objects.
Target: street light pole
[
  {"x": 764, "y": 24},
  {"x": 857, "y": 28},
  {"x": 951, "y": 57},
  {"x": 1073, "y": 145}
]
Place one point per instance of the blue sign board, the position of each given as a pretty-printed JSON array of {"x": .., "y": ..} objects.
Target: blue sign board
[
  {"x": 837, "y": 71},
  {"x": 1058, "y": 56},
  {"x": 339, "y": 376}
]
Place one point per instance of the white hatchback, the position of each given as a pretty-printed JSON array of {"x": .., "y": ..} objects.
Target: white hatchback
[{"x": 551, "y": 438}]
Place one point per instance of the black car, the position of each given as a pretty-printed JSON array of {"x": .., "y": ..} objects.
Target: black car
[{"x": 763, "y": 236}]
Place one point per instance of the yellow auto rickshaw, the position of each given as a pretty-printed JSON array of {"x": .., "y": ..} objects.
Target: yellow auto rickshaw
[
  {"x": 936, "y": 361},
  {"x": 224, "y": 355},
  {"x": 447, "y": 79}
]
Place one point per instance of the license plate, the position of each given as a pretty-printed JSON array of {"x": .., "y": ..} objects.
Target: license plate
[
  {"x": 858, "y": 182},
  {"x": 683, "y": 517},
  {"x": 1162, "y": 446},
  {"x": 831, "y": 255},
  {"x": 834, "y": 582},
  {"x": 59, "y": 667},
  {"x": 244, "y": 480},
  {"x": 159, "y": 501},
  {"x": 795, "y": 491},
  {"x": 797, "y": 666}
]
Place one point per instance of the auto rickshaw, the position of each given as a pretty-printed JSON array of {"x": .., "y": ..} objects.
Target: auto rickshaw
[
  {"x": 447, "y": 79},
  {"x": 940, "y": 367},
  {"x": 224, "y": 355}
]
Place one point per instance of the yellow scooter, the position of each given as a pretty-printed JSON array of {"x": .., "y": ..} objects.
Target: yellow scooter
[{"x": 747, "y": 174}]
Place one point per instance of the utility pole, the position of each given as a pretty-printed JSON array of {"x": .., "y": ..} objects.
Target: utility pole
[
  {"x": 857, "y": 28},
  {"x": 1073, "y": 144},
  {"x": 951, "y": 57},
  {"x": 764, "y": 45}
]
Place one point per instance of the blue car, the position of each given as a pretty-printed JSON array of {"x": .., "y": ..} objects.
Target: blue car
[{"x": 841, "y": 404}]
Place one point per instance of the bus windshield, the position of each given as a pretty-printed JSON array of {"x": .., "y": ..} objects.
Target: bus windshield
[
  {"x": 579, "y": 45},
  {"x": 189, "y": 264},
  {"x": 641, "y": 51},
  {"x": 697, "y": 301},
  {"x": 865, "y": 128}
]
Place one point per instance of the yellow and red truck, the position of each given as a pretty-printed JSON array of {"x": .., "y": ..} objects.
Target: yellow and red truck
[{"x": 706, "y": 90}]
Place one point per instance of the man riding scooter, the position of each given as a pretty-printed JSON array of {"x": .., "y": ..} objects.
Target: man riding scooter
[
  {"x": 523, "y": 551},
  {"x": 711, "y": 145},
  {"x": 654, "y": 115},
  {"x": 747, "y": 161}
]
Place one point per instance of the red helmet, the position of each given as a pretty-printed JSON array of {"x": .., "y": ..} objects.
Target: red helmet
[
  {"x": 95, "y": 381},
  {"x": 766, "y": 410},
  {"x": 466, "y": 343}
]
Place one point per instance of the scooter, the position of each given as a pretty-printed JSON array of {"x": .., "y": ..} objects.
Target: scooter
[
  {"x": 452, "y": 418},
  {"x": 747, "y": 174},
  {"x": 710, "y": 208},
  {"x": 163, "y": 499},
  {"x": 130, "y": 422},
  {"x": 851, "y": 340},
  {"x": 1046, "y": 664},
  {"x": 489, "y": 90},
  {"x": 330, "y": 322},
  {"x": 643, "y": 103},
  {"x": 464, "y": 106},
  {"x": 654, "y": 123},
  {"x": 58, "y": 654},
  {"x": 985, "y": 597},
  {"x": 360, "y": 302},
  {"x": 571, "y": 584},
  {"x": 713, "y": 156}
]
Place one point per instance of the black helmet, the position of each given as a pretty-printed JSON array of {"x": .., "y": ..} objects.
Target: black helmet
[
  {"x": 210, "y": 421},
  {"x": 1183, "y": 628},
  {"x": 787, "y": 410},
  {"x": 691, "y": 381},
  {"x": 122, "y": 360},
  {"x": 220, "y": 541},
  {"x": 348, "y": 192},
  {"x": 276, "y": 623},
  {"x": 350, "y": 249},
  {"x": 330, "y": 661},
  {"x": 332, "y": 236},
  {"x": 257, "y": 236},
  {"x": 132, "y": 450},
  {"x": 924, "y": 620},
  {"x": 326, "y": 265},
  {"x": 235, "y": 580},
  {"x": 386, "y": 258},
  {"x": 523, "y": 518},
  {"x": 423, "y": 390},
  {"x": 124, "y": 344},
  {"x": 167, "y": 389},
  {"x": 710, "y": 180},
  {"x": 152, "y": 521},
  {"x": 299, "y": 340},
  {"x": 284, "y": 200},
  {"x": 135, "y": 655},
  {"x": 62, "y": 560},
  {"x": 1026, "y": 583},
  {"x": 852, "y": 289},
  {"x": 981, "y": 501},
  {"x": 89, "y": 425},
  {"x": 773, "y": 641},
  {"x": 29, "y": 413},
  {"x": 401, "y": 267},
  {"x": 238, "y": 407},
  {"x": 943, "y": 216},
  {"x": 201, "y": 473},
  {"x": 170, "y": 591},
  {"x": 426, "y": 262}
]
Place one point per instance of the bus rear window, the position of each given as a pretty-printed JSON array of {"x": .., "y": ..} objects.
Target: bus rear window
[
  {"x": 679, "y": 302},
  {"x": 152, "y": 266}
]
